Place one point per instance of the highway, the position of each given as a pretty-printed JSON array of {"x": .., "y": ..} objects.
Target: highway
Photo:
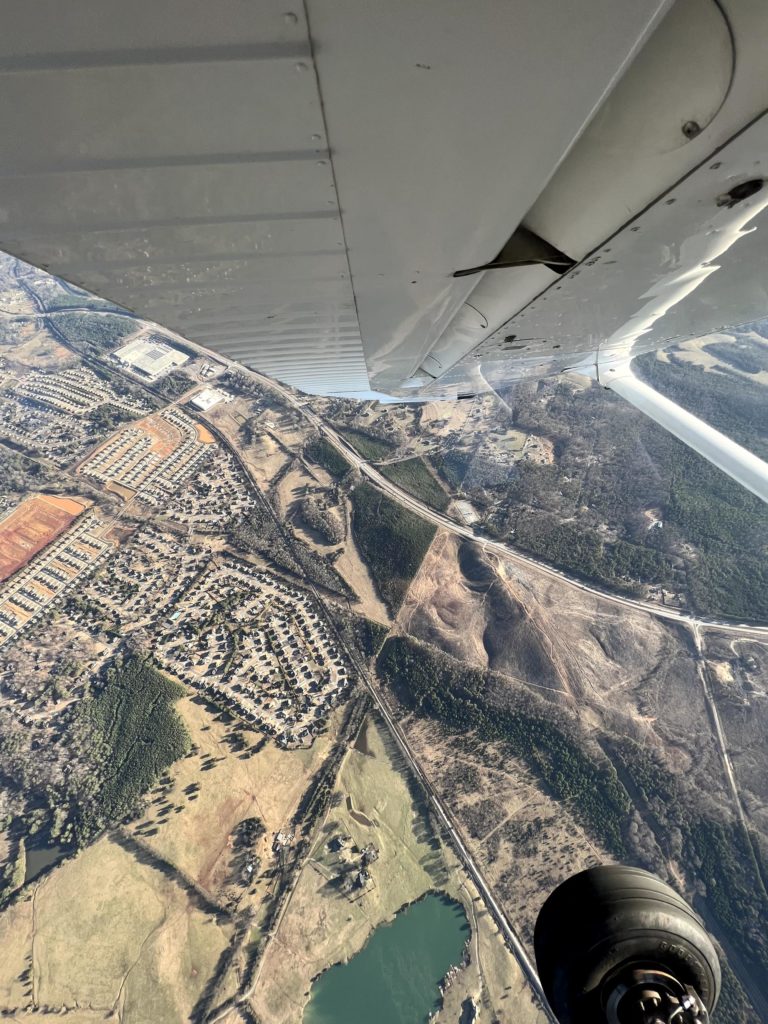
[{"x": 499, "y": 548}]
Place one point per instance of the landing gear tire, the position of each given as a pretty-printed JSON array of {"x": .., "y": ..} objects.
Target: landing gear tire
[{"x": 607, "y": 924}]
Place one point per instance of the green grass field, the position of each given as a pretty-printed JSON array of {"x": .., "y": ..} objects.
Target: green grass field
[
  {"x": 323, "y": 926},
  {"x": 109, "y": 931}
]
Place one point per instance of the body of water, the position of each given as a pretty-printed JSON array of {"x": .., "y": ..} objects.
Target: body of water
[
  {"x": 41, "y": 857},
  {"x": 394, "y": 978}
]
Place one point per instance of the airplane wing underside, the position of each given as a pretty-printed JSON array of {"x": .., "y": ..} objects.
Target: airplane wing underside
[{"x": 295, "y": 185}]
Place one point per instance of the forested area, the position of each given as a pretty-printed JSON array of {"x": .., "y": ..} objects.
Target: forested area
[
  {"x": 392, "y": 539},
  {"x": 460, "y": 697},
  {"x": 325, "y": 521},
  {"x": 107, "y": 417},
  {"x": 257, "y": 532},
  {"x": 745, "y": 354},
  {"x": 135, "y": 735},
  {"x": 370, "y": 447},
  {"x": 726, "y": 524},
  {"x": 92, "y": 335},
  {"x": 321, "y": 451},
  {"x": 713, "y": 851},
  {"x": 414, "y": 477},
  {"x": 99, "y": 757},
  {"x": 20, "y": 473},
  {"x": 729, "y": 402},
  {"x": 360, "y": 634},
  {"x": 174, "y": 384},
  {"x": 625, "y": 504},
  {"x": 716, "y": 852}
]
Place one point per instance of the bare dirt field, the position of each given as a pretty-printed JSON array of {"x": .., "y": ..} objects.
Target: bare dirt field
[
  {"x": 204, "y": 436},
  {"x": 619, "y": 669},
  {"x": 353, "y": 570},
  {"x": 107, "y": 932},
  {"x": 293, "y": 486},
  {"x": 38, "y": 350},
  {"x": 31, "y": 526},
  {"x": 264, "y": 457}
]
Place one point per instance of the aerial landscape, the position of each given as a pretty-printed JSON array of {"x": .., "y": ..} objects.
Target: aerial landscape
[{"x": 306, "y": 704}]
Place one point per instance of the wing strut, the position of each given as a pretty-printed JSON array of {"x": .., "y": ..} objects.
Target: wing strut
[{"x": 739, "y": 463}]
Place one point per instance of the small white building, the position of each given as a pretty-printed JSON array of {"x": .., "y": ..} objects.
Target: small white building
[{"x": 208, "y": 397}]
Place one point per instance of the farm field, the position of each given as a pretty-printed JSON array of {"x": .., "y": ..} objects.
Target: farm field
[
  {"x": 107, "y": 932},
  {"x": 218, "y": 786}
]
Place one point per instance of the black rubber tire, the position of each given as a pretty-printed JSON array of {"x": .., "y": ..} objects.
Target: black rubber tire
[{"x": 603, "y": 918}]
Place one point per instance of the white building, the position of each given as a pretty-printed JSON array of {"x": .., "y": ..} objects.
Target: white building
[
  {"x": 150, "y": 357},
  {"x": 208, "y": 397}
]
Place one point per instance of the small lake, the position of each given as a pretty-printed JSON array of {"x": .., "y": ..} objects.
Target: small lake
[
  {"x": 41, "y": 857},
  {"x": 394, "y": 978}
]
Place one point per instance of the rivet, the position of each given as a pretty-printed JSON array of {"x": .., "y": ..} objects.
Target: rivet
[
  {"x": 290, "y": 18},
  {"x": 301, "y": 66},
  {"x": 691, "y": 129}
]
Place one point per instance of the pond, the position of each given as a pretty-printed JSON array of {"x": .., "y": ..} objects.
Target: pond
[
  {"x": 41, "y": 857},
  {"x": 394, "y": 978}
]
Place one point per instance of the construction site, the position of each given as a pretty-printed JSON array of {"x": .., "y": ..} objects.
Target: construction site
[
  {"x": 150, "y": 458},
  {"x": 41, "y": 576}
]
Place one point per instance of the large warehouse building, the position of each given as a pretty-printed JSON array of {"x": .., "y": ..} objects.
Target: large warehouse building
[{"x": 150, "y": 357}]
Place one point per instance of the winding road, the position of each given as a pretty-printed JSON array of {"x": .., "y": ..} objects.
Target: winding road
[{"x": 505, "y": 551}]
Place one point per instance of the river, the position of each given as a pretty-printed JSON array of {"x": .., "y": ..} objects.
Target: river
[{"x": 394, "y": 978}]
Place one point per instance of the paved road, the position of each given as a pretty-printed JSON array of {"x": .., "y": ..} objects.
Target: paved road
[
  {"x": 496, "y": 547},
  {"x": 441, "y": 810},
  {"x": 398, "y": 494},
  {"x": 717, "y": 726}
]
